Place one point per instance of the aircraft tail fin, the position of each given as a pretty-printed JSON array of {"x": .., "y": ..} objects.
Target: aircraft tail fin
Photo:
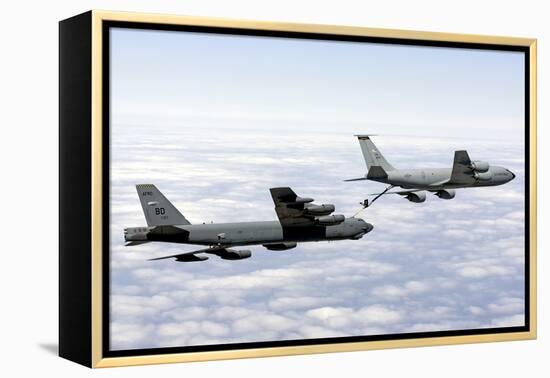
[
  {"x": 372, "y": 155},
  {"x": 157, "y": 209},
  {"x": 376, "y": 172}
]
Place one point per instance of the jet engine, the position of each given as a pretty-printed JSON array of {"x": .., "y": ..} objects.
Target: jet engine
[
  {"x": 301, "y": 200},
  {"x": 190, "y": 258},
  {"x": 479, "y": 166},
  {"x": 312, "y": 209},
  {"x": 416, "y": 197},
  {"x": 483, "y": 176},
  {"x": 446, "y": 194},
  {"x": 330, "y": 220},
  {"x": 136, "y": 234},
  {"x": 236, "y": 254},
  {"x": 280, "y": 246}
]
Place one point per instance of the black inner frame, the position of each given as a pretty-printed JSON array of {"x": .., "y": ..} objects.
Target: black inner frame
[{"x": 301, "y": 35}]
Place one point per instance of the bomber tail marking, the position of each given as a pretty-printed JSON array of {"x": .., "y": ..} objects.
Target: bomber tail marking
[{"x": 157, "y": 209}]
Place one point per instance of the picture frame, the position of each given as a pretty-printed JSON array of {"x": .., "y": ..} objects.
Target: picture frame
[{"x": 85, "y": 121}]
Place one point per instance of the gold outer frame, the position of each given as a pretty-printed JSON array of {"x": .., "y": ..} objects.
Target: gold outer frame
[{"x": 97, "y": 196}]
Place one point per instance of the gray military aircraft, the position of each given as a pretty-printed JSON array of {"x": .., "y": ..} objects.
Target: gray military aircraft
[
  {"x": 465, "y": 173},
  {"x": 299, "y": 221}
]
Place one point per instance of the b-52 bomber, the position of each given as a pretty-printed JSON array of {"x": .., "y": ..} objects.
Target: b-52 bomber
[
  {"x": 299, "y": 221},
  {"x": 465, "y": 173}
]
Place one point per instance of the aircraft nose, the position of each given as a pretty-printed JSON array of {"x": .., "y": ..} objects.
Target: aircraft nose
[
  {"x": 512, "y": 173},
  {"x": 368, "y": 228}
]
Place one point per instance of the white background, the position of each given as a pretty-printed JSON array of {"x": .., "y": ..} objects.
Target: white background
[{"x": 28, "y": 269}]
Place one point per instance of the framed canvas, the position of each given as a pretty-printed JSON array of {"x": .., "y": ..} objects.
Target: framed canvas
[{"x": 234, "y": 189}]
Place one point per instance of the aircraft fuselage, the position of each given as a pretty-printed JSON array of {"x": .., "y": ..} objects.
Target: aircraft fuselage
[
  {"x": 436, "y": 178},
  {"x": 248, "y": 233}
]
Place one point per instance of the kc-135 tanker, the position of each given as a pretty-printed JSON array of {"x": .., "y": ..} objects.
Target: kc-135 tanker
[{"x": 465, "y": 173}]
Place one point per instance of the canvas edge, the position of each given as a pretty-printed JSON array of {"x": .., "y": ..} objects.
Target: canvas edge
[
  {"x": 98, "y": 16},
  {"x": 75, "y": 201}
]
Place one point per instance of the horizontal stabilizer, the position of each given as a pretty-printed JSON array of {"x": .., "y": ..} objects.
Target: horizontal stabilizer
[
  {"x": 400, "y": 192},
  {"x": 357, "y": 179}
]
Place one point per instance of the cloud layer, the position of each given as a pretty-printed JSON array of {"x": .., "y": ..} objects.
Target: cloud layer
[{"x": 439, "y": 265}]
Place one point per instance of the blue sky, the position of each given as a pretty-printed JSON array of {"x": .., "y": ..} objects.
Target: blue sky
[
  {"x": 402, "y": 89},
  {"x": 215, "y": 121}
]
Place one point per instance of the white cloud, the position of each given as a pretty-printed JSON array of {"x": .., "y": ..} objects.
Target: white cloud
[
  {"x": 326, "y": 313},
  {"x": 409, "y": 288},
  {"x": 430, "y": 266},
  {"x": 507, "y": 306},
  {"x": 130, "y": 335},
  {"x": 475, "y": 271},
  {"x": 517, "y": 320},
  {"x": 345, "y": 317},
  {"x": 379, "y": 314},
  {"x": 263, "y": 322},
  {"x": 296, "y": 303},
  {"x": 476, "y": 310},
  {"x": 188, "y": 313},
  {"x": 192, "y": 332}
]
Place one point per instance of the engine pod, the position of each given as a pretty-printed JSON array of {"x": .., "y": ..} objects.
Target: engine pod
[
  {"x": 329, "y": 220},
  {"x": 235, "y": 254},
  {"x": 280, "y": 246}
]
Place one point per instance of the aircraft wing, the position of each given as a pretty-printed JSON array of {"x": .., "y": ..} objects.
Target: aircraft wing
[
  {"x": 290, "y": 208},
  {"x": 400, "y": 192},
  {"x": 407, "y": 191},
  {"x": 192, "y": 256},
  {"x": 135, "y": 242},
  {"x": 462, "y": 172}
]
